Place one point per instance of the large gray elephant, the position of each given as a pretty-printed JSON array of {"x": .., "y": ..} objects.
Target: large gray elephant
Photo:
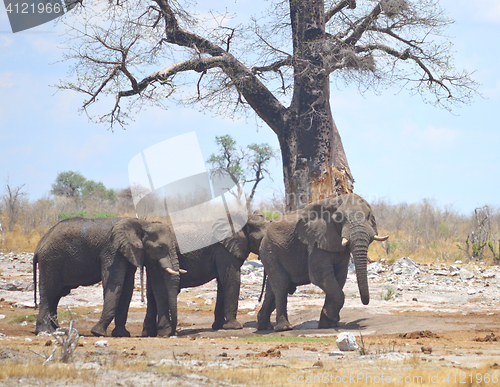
[
  {"x": 81, "y": 252},
  {"x": 313, "y": 245},
  {"x": 221, "y": 260}
]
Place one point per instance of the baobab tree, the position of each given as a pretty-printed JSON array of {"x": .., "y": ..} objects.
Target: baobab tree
[{"x": 278, "y": 65}]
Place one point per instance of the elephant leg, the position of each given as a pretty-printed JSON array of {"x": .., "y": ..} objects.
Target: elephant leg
[
  {"x": 228, "y": 290},
  {"x": 124, "y": 304},
  {"x": 219, "y": 309},
  {"x": 45, "y": 321},
  {"x": 280, "y": 283},
  {"x": 161, "y": 293},
  {"x": 323, "y": 274},
  {"x": 341, "y": 276},
  {"x": 268, "y": 306},
  {"x": 149, "y": 327},
  {"x": 113, "y": 279}
]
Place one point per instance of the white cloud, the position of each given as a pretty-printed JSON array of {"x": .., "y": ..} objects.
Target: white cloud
[
  {"x": 477, "y": 10},
  {"x": 46, "y": 45},
  {"x": 6, "y": 79},
  {"x": 24, "y": 150},
  {"x": 5, "y": 41},
  {"x": 97, "y": 146},
  {"x": 487, "y": 10},
  {"x": 431, "y": 138}
]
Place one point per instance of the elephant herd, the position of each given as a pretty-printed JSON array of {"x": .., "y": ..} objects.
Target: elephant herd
[{"x": 311, "y": 245}]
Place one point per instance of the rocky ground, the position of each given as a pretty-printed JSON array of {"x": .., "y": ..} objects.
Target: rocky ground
[{"x": 424, "y": 321}]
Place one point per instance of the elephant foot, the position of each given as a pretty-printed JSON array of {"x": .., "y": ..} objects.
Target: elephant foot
[
  {"x": 234, "y": 324},
  {"x": 120, "y": 332},
  {"x": 149, "y": 332},
  {"x": 218, "y": 324},
  {"x": 166, "y": 332},
  {"x": 283, "y": 325},
  {"x": 265, "y": 326},
  {"x": 98, "y": 330},
  {"x": 325, "y": 322}
]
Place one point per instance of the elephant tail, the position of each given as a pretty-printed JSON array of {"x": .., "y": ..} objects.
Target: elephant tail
[
  {"x": 142, "y": 284},
  {"x": 35, "y": 263},
  {"x": 263, "y": 285}
]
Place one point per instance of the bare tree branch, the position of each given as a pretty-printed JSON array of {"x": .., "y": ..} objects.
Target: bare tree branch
[
  {"x": 339, "y": 7},
  {"x": 363, "y": 26},
  {"x": 274, "y": 66}
]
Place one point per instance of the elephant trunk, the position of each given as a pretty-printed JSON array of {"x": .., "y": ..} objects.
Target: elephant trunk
[
  {"x": 359, "y": 249},
  {"x": 173, "y": 289}
]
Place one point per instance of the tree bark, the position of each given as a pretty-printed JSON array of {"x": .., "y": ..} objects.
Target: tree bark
[{"x": 310, "y": 142}]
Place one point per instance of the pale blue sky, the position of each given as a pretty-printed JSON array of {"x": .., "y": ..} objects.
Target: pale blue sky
[{"x": 398, "y": 147}]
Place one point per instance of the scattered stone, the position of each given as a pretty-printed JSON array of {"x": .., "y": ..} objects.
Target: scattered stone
[
  {"x": 419, "y": 335},
  {"x": 101, "y": 344},
  {"x": 375, "y": 267},
  {"x": 346, "y": 341},
  {"x": 426, "y": 350},
  {"x": 488, "y": 339},
  {"x": 489, "y": 274},
  {"x": 466, "y": 274},
  {"x": 336, "y": 353},
  {"x": 454, "y": 271},
  {"x": 472, "y": 291},
  {"x": 271, "y": 352},
  {"x": 406, "y": 267}
]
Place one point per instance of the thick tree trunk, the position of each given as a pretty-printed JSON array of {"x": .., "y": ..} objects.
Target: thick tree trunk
[{"x": 310, "y": 143}]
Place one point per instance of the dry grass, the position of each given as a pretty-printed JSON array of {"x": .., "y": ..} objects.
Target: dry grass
[
  {"x": 16, "y": 241},
  {"x": 412, "y": 372},
  {"x": 35, "y": 369}
]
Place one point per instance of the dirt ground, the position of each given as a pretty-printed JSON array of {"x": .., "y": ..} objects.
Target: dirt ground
[{"x": 416, "y": 339}]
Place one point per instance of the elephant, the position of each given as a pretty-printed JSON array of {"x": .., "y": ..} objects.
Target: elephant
[
  {"x": 314, "y": 245},
  {"x": 81, "y": 252},
  {"x": 221, "y": 260}
]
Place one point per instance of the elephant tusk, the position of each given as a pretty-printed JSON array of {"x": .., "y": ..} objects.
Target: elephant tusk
[
  {"x": 380, "y": 239},
  {"x": 344, "y": 241},
  {"x": 171, "y": 271},
  {"x": 182, "y": 271}
]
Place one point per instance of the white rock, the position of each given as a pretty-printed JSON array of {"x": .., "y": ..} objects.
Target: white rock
[
  {"x": 101, "y": 344},
  {"x": 466, "y": 274},
  {"x": 346, "y": 341},
  {"x": 470, "y": 292}
]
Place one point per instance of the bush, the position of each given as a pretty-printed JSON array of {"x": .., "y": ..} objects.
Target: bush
[{"x": 95, "y": 214}]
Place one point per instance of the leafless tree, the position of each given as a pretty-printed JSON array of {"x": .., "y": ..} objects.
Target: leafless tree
[
  {"x": 13, "y": 200},
  {"x": 278, "y": 65}
]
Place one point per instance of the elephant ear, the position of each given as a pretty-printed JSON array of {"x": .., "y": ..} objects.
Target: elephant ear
[
  {"x": 316, "y": 226},
  {"x": 236, "y": 243},
  {"x": 126, "y": 237}
]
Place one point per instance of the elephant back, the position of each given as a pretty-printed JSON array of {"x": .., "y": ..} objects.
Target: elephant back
[
  {"x": 281, "y": 231},
  {"x": 193, "y": 236}
]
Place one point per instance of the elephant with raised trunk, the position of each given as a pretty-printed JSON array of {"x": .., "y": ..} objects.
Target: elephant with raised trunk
[
  {"x": 313, "y": 245},
  {"x": 221, "y": 259},
  {"x": 81, "y": 252}
]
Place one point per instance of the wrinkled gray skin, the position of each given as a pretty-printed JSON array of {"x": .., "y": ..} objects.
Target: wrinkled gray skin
[
  {"x": 313, "y": 245},
  {"x": 220, "y": 260},
  {"x": 81, "y": 252}
]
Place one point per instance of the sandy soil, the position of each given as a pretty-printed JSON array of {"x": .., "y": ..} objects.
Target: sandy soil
[{"x": 440, "y": 331}]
